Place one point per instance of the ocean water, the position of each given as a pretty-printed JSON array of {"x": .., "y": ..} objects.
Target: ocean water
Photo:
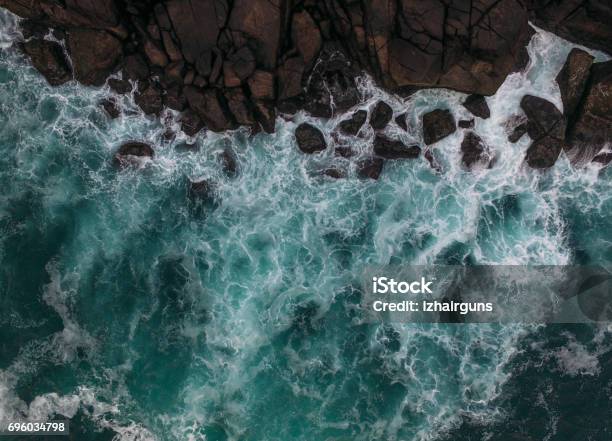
[{"x": 142, "y": 314}]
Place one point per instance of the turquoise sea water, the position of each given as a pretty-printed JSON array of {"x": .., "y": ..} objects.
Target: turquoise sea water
[{"x": 143, "y": 315}]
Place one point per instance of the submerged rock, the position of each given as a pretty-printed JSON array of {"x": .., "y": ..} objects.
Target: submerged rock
[
  {"x": 381, "y": 115},
  {"x": 477, "y": 105},
  {"x": 352, "y": 125},
  {"x": 334, "y": 172},
  {"x": 370, "y": 168},
  {"x": 130, "y": 153},
  {"x": 474, "y": 151},
  {"x": 309, "y": 138},
  {"x": 229, "y": 163},
  {"x": 392, "y": 149},
  {"x": 202, "y": 190},
  {"x": 437, "y": 124},
  {"x": 111, "y": 107},
  {"x": 49, "y": 59},
  {"x": 466, "y": 123}
]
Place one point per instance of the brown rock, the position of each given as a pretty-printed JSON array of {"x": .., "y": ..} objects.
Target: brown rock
[
  {"x": 466, "y": 123},
  {"x": 242, "y": 63},
  {"x": 306, "y": 36},
  {"x": 437, "y": 124},
  {"x": 119, "y": 86},
  {"x": 261, "y": 85},
  {"x": 544, "y": 118},
  {"x": 259, "y": 21},
  {"x": 135, "y": 67},
  {"x": 48, "y": 58},
  {"x": 290, "y": 78},
  {"x": 572, "y": 79},
  {"x": 94, "y": 55},
  {"x": 191, "y": 123},
  {"x": 344, "y": 150},
  {"x": 239, "y": 107},
  {"x": 265, "y": 114},
  {"x": 207, "y": 104},
  {"x": 149, "y": 99},
  {"x": 173, "y": 51},
  {"x": 310, "y": 139},
  {"x": 155, "y": 54},
  {"x": 174, "y": 99}
]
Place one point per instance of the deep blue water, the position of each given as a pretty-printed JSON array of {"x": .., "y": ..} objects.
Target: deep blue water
[{"x": 141, "y": 314}]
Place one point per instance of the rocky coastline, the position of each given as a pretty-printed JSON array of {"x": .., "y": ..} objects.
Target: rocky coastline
[{"x": 230, "y": 63}]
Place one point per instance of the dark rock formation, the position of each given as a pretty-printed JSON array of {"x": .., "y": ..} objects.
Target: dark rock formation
[
  {"x": 191, "y": 123},
  {"x": 437, "y": 125},
  {"x": 280, "y": 54},
  {"x": 474, "y": 151},
  {"x": 309, "y": 139},
  {"x": 591, "y": 125},
  {"x": 94, "y": 54},
  {"x": 236, "y": 62},
  {"x": 546, "y": 127},
  {"x": 352, "y": 125},
  {"x": 111, "y": 107},
  {"x": 391, "y": 149},
  {"x": 400, "y": 120},
  {"x": 603, "y": 158},
  {"x": 370, "y": 168},
  {"x": 130, "y": 152},
  {"x": 466, "y": 123},
  {"x": 381, "y": 115},
  {"x": 586, "y": 22},
  {"x": 334, "y": 172},
  {"x": 149, "y": 99},
  {"x": 229, "y": 163},
  {"x": 48, "y": 58},
  {"x": 477, "y": 105},
  {"x": 572, "y": 79},
  {"x": 344, "y": 151}
]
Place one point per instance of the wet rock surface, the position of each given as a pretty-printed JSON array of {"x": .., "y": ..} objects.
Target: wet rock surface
[
  {"x": 437, "y": 125},
  {"x": 309, "y": 139},
  {"x": 393, "y": 149}
]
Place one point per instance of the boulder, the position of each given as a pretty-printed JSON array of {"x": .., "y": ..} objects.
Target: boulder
[
  {"x": 344, "y": 150},
  {"x": 477, "y": 105},
  {"x": 238, "y": 105},
  {"x": 241, "y": 63},
  {"x": 306, "y": 36},
  {"x": 370, "y": 168},
  {"x": 290, "y": 78},
  {"x": 400, "y": 120},
  {"x": 49, "y": 59},
  {"x": 191, "y": 123},
  {"x": 265, "y": 115},
  {"x": 94, "y": 54},
  {"x": 437, "y": 124},
  {"x": 207, "y": 104},
  {"x": 229, "y": 163},
  {"x": 392, "y": 149},
  {"x": 603, "y": 158},
  {"x": 516, "y": 127},
  {"x": 466, "y": 123},
  {"x": 135, "y": 67},
  {"x": 174, "y": 99},
  {"x": 261, "y": 85},
  {"x": 544, "y": 118},
  {"x": 544, "y": 152},
  {"x": 474, "y": 151},
  {"x": 130, "y": 153},
  {"x": 154, "y": 52},
  {"x": 352, "y": 125},
  {"x": 310, "y": 139},
  {"x": 197, "y": 25},
  {"x": 111, "y": 107},
  {"x": 584, "y": 22},
  {"x": 572, "y": 79},
  {"x": 149, "y": 99},
  {"x": 119, "y": 86},
  {"x": 381, "y": 115},
  {"x": 331, "y": 84},
  {"x": 260, "y": 22},
  {"x": 592, "y": 124}
]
